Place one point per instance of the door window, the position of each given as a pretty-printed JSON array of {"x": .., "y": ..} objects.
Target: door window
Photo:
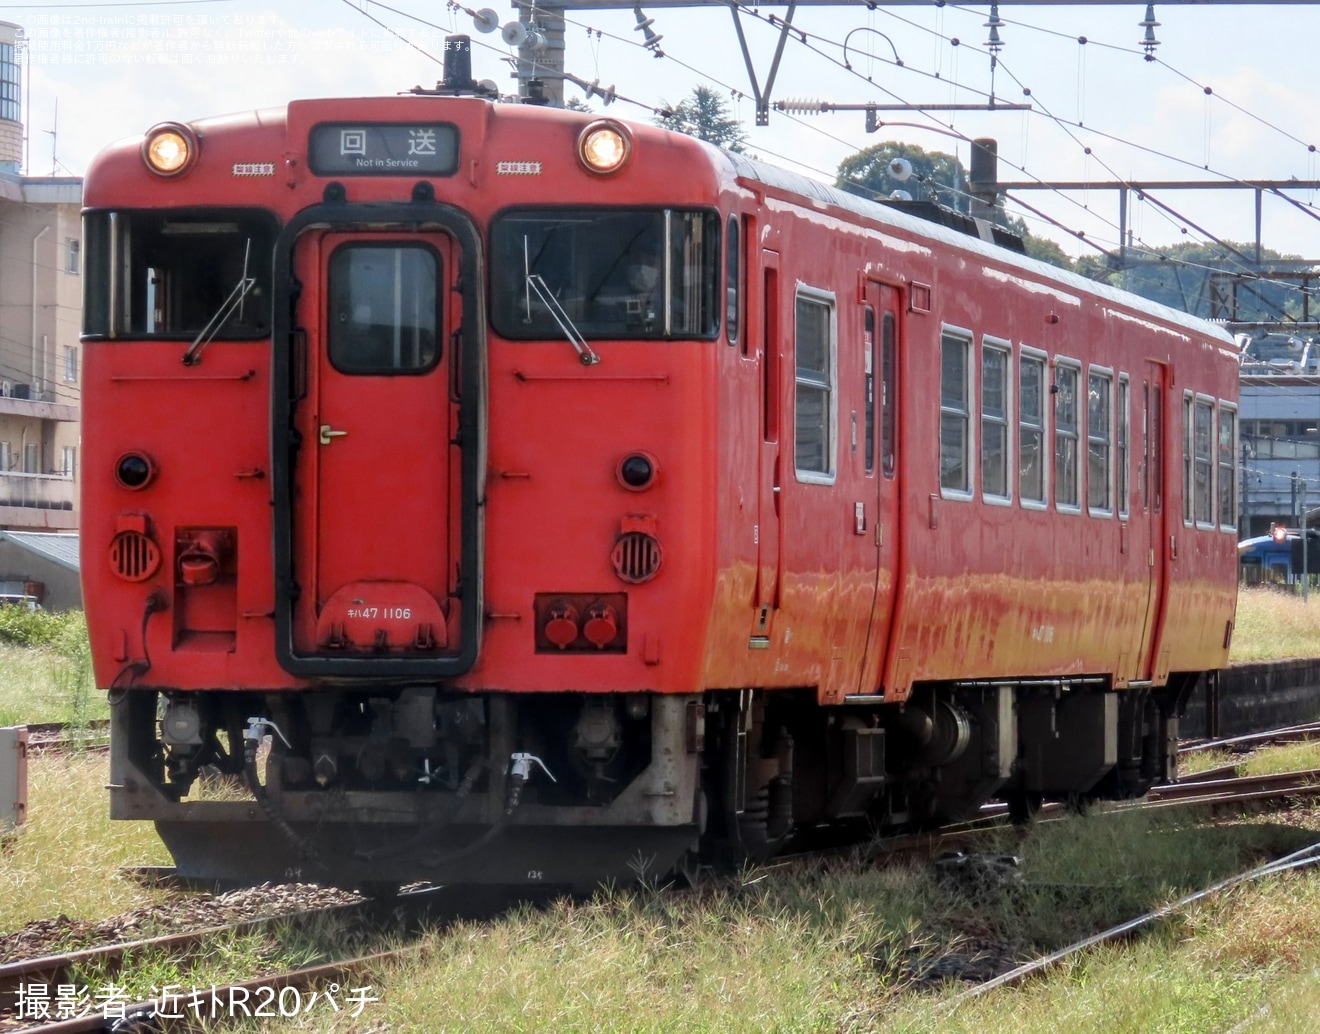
[{"x": 384, "y": 308}]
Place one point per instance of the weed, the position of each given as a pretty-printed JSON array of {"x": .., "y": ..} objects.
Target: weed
[{"x": 1271, "y": 624}]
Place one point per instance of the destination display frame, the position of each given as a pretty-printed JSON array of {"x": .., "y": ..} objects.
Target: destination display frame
[{"x": 383, "y": 149}]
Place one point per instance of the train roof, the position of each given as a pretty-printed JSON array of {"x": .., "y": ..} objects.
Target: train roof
[
  {"x": 814, "y": 190},
  {"x": 746, "y": 169}
]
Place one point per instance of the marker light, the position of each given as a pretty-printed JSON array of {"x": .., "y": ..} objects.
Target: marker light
[
  {"x": 135, "y": 470},
  {"x": 604, "y": 146},
  {"x": 636, "y": 471},
  {"x": 169, "y": 149}
]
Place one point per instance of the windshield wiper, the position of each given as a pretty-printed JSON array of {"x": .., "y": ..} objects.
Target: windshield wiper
[
  {"x": 535, "y": 283},
  {"x": 235, "y": 301},
  {"x": 585, "y": 355}
]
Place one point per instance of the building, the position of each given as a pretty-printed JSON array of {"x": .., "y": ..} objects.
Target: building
[
  {"x": 40, "y": 320},
  {"x": 1279, "y": 433},
  {"x": 40, "y": 566}
]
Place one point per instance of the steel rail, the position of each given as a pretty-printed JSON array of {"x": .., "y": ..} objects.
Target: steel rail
[
  {"x": 56, "y": 969},
  {"x": 1288, "y": 733},
  {"x": 1304, "y": 858}
]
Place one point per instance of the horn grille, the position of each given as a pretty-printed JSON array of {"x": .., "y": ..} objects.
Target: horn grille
[
  {"x": 133, "y": 556},
  {"x": 637, "y": 557}
]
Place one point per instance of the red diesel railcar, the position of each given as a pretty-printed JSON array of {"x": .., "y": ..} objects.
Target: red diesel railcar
[{"x": 559, "y": 497}]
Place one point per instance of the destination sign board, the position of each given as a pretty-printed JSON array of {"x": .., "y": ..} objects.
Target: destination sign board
[{"x": 381, "y": 149}]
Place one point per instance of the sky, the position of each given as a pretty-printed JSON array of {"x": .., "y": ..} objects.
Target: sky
[{"x": 1228, "y": 98}]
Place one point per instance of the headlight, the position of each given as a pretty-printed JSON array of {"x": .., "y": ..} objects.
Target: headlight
[
  {"x": 604, "y": 146},
  {"x": 169, "y": 149}
]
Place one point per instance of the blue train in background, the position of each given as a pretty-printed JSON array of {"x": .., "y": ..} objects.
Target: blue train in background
[{"x": 1276, "y": 558}]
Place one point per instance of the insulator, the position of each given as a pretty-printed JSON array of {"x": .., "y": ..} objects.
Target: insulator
[
  {"x": 994, "y": 43},
  {"x": 1149, "y": 42},
  {"x": 804, "y": 106}
]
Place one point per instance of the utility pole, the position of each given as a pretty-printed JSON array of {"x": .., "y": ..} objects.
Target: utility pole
[{"x": 1306, "y": 546}]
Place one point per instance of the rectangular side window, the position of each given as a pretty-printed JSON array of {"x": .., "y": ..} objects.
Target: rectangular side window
[
  {"x": 813, "y": 407},
  {"x": 1204, "y": 470},
  {"x": 994, "y": 420},
  {"x": 869, "y": 347},
  {"x": 71, "y": 363},
  {"x": 1099, "y": 442},
  {"x": 1188, "y": 501},
  {"x": 955, "y": 413},
  {"x": 1031, "y": 428},
  {"x": 72, "y": 255},
  {"x": 888, "y": 405},
  {"x": 1124, "y": 431},
  {"x": 1227, "y": 468},
  {"x": 1066, "y": 473},
  {"x": 732, "y": 281}
]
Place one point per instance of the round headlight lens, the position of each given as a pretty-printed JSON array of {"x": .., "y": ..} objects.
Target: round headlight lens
[
  {"x": 604, "y": 146},
  {"x": 135, "y": 470},
  {"x": 169, "y": 149},
  {"x": 637, "y": 471}
]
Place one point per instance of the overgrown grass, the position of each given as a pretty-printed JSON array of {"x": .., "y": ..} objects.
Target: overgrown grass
[
  {"x": 231, "y": 956},
  {"x": 1283, "y": 757},
  {"x": 67, "y": 858},
  {"x": 846, "y": 948},
  {"x": 1272, "y": 624},
  {"x": 46, "y": 669}
]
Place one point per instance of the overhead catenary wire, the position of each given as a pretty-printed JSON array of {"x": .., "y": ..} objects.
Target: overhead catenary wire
[
  {"x": 804, "y": 36},
  {"x": 1085, "y": 238}
]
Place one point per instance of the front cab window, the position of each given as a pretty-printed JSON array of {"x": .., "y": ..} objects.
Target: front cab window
[
  {"x": 614, "y": 273},
  {"x": 168, "y": 274}
]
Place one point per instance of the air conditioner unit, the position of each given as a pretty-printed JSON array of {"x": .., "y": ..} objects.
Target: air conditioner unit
[{"x": 21, "y": 391}]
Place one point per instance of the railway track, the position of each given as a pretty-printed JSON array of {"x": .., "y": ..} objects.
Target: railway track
[
  {"x": 403, "y": 916},
  {"x": 1305, "y": 858},
  {"x": 302, "y": 989},
  {"x": 1249, "y": 741},
  {"x": 62, "y": 737}
]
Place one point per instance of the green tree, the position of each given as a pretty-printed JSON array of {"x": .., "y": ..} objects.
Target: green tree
[
  {"x": 935, "y": 176},
  {"x": 1046, "y": 250},
  {"x": 1188, "y": 276},
  {"x": 705, "y": 115}
]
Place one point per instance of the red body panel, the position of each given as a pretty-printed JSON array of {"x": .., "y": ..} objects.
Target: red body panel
[{"x": 867, "y": 584}]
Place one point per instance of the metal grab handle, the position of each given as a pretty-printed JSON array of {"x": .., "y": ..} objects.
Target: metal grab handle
[{"x": 327, "y": 434}]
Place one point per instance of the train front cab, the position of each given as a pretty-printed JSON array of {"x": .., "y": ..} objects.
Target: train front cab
[{"x": 482, "y": 544}]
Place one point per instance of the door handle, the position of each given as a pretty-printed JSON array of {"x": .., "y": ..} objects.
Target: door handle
[{"x": 327, "y": 434}]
